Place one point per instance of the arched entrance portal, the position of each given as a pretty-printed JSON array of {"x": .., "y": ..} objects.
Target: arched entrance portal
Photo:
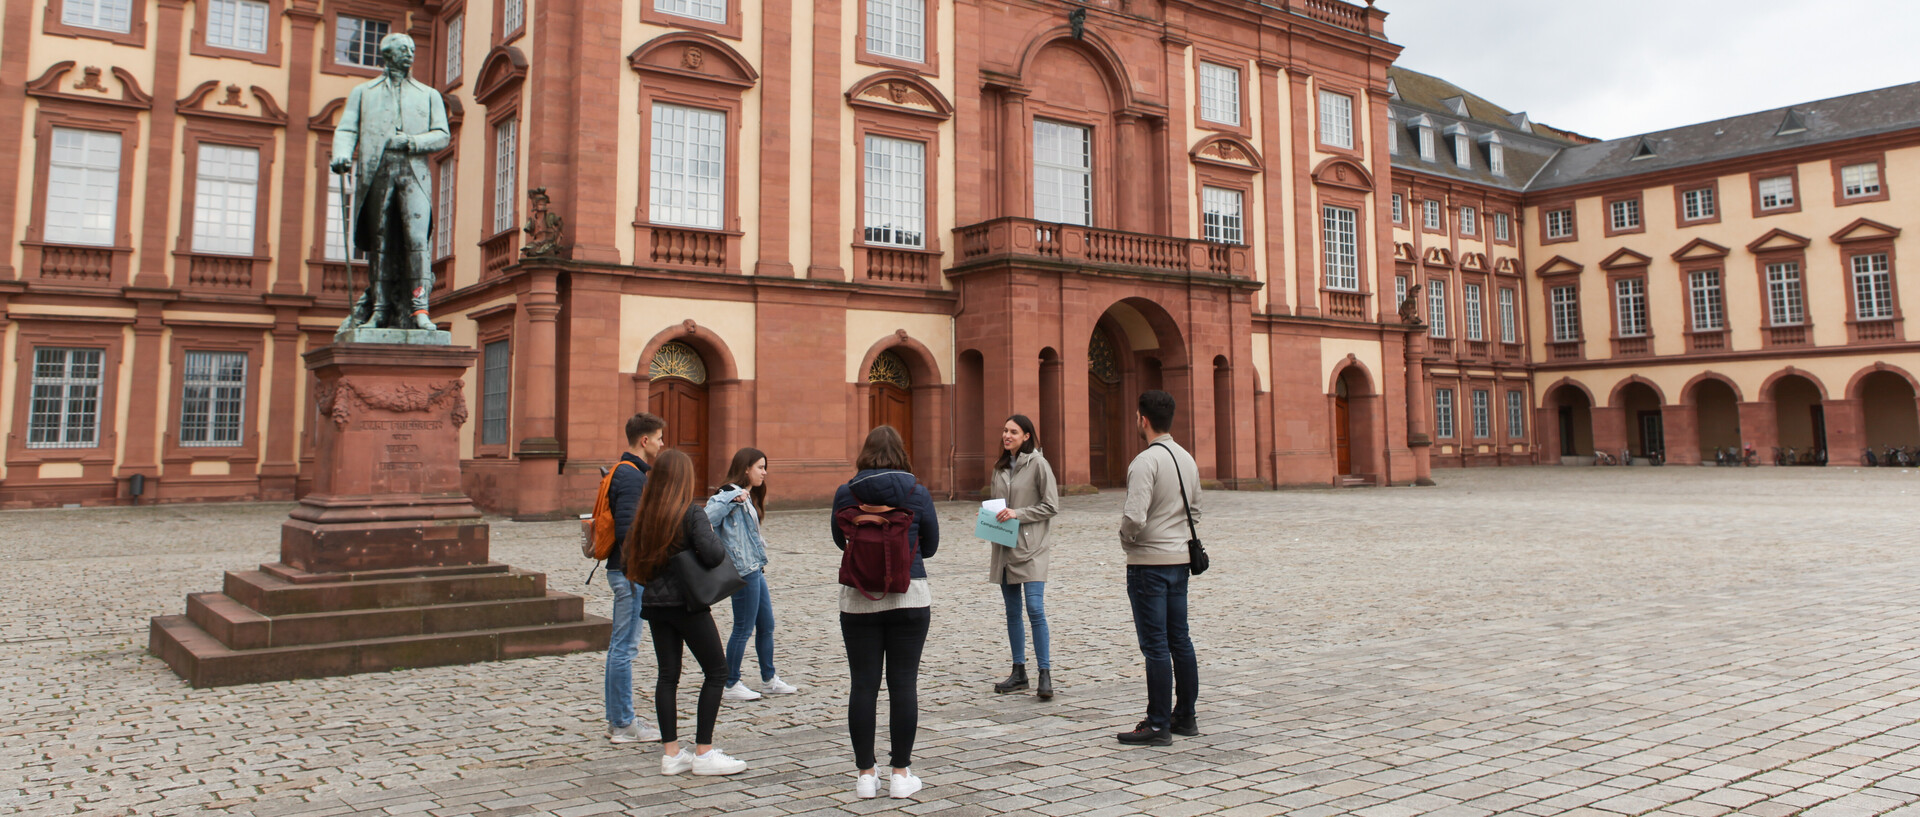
[
  {"x": 1573, "y": 415},
  {"x": 1136, "y": 346},
  {"x": 890, "y": 397},
  {"x": 1798, "y": 415},
  {"x": 1354, "y": 406},
  {"x": 677, "y": 391},
  {"x": 1716, "y": 413},
  {"x": 1646, "y": 433},
  {"x": 1890, "y": 413},
  {"x": 1106, "y": 410}
]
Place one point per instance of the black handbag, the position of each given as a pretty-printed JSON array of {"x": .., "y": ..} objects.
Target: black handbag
[
  {"x": 705, "y": 586},
  {"x": 1197, "y": 562}
]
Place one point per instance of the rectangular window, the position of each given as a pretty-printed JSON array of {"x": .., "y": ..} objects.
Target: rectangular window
[
  {"x": 1516, "y": 415},
  {"x": 443, "y": 215},
  {"x": 1630, "y": 305},
  {"x": 714, "y": 11},
  {"x": 1697, "y": 204},
  {"x": 1566, "y": 314},
  {"x": 1776, "y": 192},
  {"x": 1872, "y": 287},
  {"x": 336, "y": 216},
  {"x": 1399, "y": 289},
  {"x": 1482, "y": 414},
  {"x": 1399, "y": 209},
  {"x": 356, "y": 40},
  {"x": 1709, "y": 307},
  {"x": 1560, "y": 223},
  {"x": 1786, "y": 306},
  {"x": 1436, "y": 308},
  {"x": 83, "y": 190},
  {"x": 1219, "y": 93},
  {"x": 1062, "y": 173},
  {"x": 1426, "y": 144},
  {"x": 225, "y": 198},
  {"x": 456, "y": 46},
  {"x": 65, "y": 411},
  {"x": 1509, "y": 328},
  {"x": 1340, "y": 248},
  {"x": 213, "y": 393},
  {"x": 1497, "y": 159},
  {"x": 1221, "y": 215},
  {"x": 513, "y": 15},
  {"x": 896, "y": 192},
  {"x": 689, "y": 166},
  {"x": 506, "y": 183},
  {"x": 1462, "y": 153},
  {"x": 493, "y": 398},
  {"x": 1431, "y": 214},
  {"x": 1502, "y": 227},
  {"x": 1469, "y": 221},
  {"x": 1470, "y": 294},
  {"x": 1860, "y": 180},
  {"x": 1443, "y": 413},
  {"x": 1393, "y": 135},
  {"x": 237, "y": 24},
  {"x": 898, "y": 29},
  {"x": 1336, "y": 119},
  {"x": 1625, "y": 214},
  {"x": 109, "y": 15}
]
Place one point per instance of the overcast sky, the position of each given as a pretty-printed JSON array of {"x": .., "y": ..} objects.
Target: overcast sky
[{"x": 1624, "y": 67}]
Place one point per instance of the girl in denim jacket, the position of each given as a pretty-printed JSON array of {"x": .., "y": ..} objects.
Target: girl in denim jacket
[{"x": 735, "y": 512}]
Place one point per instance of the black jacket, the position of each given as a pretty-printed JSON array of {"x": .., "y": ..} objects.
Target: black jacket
[
  {"x": 897, "y": 489},
  {"x": 665, "y": 590},
  {"x": 624, "y": 497}
]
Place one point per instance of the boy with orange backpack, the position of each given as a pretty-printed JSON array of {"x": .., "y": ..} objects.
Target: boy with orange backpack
[{"x": 613, "y": 514}]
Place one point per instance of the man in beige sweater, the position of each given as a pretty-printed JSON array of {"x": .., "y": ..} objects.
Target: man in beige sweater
[{"x": 1163, "y": 483}]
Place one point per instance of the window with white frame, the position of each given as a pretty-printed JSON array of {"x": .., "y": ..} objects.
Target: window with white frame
[
  {"x": 1469, "y": 221},
  {"x": 65, "y": 406},
  {"x": 1470, "y": 296},
  {"x": 1482, "y": 414},
  {"x": 456, "y": 45},
  {"x": 1462, "y": 150},
  {"x": 1426, "y": 144},
  {"x": 108, "y": 15},
  {"x": 1516, "y": 415},
  {"x": 1399, "y": 290},
  {"x": 1221, "y": 215},
  {"x": 1336, "y": 119},
  {"x": 83, "y": 189},
  {"x": 898, "y": 29},
  {"x": 213, "y": 393},
  {"x": 1062, "y": 173},
  {"x": 1443, "y": 413},
  {"x": 356, "y": 40},
  {"x": 1502, "y": 227},
  {"x": 1393, "y": 134},
  {"x": 1399, "y": 209},
  {"x": 1497, "y": 159},
  {"x": 1776, "y": 192},
  {"x": 443, "y": 215},
  {"x": 1630, "y": 306},
  {"x": 1560, "y": 223},
  {"x": 1430, "y": 214},
  {"x": 1709, "y": 303},
  {"x": 1219, "y": 93},
  {"x": 1786, "y": 304},
  {"x": 513, "y": 15},
  {"x": 1625, "y": 214},
  {"x": 1697, "y": 204},
  {"x": 713, "y": 11},
  {"x": 1566, "y": 314},
  {"x": 237, "y": 24},
  {"x": 494, "y": 377},
  {"x": 896, "y": 192},
  {"x": 1860, "y": 180},
  {"x": 689, "y": 167},
  {"x": 1436, "y": 308},
  {"x": 1509, "y": 326},
  {"x": 339, "y": 193},
  {"x": 1340, "y": 247},
  {"x": 225, "y": 198},
  {"x": 506, "y": 181},
  {"x": 1872, "y": 287}
]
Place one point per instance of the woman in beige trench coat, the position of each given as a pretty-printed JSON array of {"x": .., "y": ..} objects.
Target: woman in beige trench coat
[{"x": 1023, "y": 478}]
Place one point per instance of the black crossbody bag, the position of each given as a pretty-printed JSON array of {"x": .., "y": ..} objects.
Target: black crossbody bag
[{"x": 1196, "y": 552}]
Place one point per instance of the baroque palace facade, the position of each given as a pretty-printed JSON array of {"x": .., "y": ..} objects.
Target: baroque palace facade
[{"x": 786, "y": 223}]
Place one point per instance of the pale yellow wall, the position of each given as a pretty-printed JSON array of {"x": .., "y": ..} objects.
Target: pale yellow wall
[
  {"x": 866, "y": 328},
  {"x": 643, "y": 316},
  {"x": 1254, "y": 210},
  {"x": 1263, "y": 359},
  {"x": 1334, "y": 351},
  {"x": 1750, "y": 376}
]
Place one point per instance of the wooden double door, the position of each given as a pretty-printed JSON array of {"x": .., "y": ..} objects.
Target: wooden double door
[
  {"x": 891, "y": 405},
  {"x": 683, "y": 404}
]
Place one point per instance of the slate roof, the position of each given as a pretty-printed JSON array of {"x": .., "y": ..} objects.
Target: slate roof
[{"x": 1445, "y": 105}]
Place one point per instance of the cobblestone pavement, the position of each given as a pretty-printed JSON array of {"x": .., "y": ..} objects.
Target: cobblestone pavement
[{"x": 1690, "y": 641}]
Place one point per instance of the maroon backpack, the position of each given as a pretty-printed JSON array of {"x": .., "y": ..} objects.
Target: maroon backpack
[{"x": 879, "y": 555}]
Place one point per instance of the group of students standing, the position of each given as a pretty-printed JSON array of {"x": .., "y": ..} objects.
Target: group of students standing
[{"x": 658, "y": 513}]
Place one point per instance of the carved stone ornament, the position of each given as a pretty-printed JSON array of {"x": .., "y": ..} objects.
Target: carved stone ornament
[
  {"x": 1340, "y": 172},
  {"x": 90, "y": 80},
  {"x": 543, "y": 227},
  {"x": 343, "y": 398},
  {"x": 693, "y": 58},
  {"x": 889, "y": 368},
  {"x": 1410, "y": 306},
  {"x": 233, "y": 98},
  {"x": 899, "y": 92}
]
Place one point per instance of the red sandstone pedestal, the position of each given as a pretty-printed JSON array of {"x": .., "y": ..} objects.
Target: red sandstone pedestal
[{"x": 384, "y": 565}]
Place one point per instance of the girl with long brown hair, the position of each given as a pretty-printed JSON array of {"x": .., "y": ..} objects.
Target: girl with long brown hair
[
  {"x": 735, "y": 512},
  {"x": 667, "y": 522}
]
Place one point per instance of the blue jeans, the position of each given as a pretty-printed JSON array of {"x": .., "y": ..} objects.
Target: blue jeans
[
  {"x": 1159, "y": 597},
  {"x": 752, "y": 615},
  {"x": 1036, "y": 604},
  {"x": 622, "y": 647}
]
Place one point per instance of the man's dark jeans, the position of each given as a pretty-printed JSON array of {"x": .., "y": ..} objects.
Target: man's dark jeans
[{"x": 1159, "y": 597}]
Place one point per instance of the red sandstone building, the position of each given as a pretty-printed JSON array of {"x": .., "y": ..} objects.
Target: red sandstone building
[{"x": 789, "y": 222}]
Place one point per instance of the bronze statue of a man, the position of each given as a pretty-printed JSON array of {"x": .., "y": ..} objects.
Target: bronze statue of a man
[{"x": 388, "y": 129}]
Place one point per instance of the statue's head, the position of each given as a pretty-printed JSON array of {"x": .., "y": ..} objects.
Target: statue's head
[
  {"x": 538, "y": 197},
  {"x": 397, "y": 50}
]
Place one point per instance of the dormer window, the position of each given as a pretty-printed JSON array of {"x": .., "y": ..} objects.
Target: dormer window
[
  {"x": 1462, "y": 151},
  {"x": 1496, "y": 154},
  {"x": 1393, "y": 133},
  {"x": 1425, "y": 127}
]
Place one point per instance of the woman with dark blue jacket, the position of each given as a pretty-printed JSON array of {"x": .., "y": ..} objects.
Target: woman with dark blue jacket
[{"x": 888, "y": 632}]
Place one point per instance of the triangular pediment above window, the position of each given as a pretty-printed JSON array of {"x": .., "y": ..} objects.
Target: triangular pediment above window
[
  {"x": 1699, "y": 248},
  {"x": 1558, "y": 265},
  {"x": 90, "y": 86},
  {"x": 1624, "y": 257},
  {"x": 1777, "y": 239},
  {"x": 1865, "y": 230}
]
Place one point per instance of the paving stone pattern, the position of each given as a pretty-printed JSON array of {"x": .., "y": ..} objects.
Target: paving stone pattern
[{"x": 1688, "y": 641}]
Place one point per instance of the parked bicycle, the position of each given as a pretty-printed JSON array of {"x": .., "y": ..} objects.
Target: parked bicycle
[
  {"x": 1603, "y": 458},
  {"x": 1867, "y": 458}
]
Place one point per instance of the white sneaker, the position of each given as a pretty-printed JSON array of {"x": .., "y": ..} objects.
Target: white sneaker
[
  {"x": 775, "y": 686},
  {"x": 902, "y": 786},
  {"x": 636, "y": 732},
  {"x": 716, "y": 762},
  {"x": 867, "y": 787},
  {"x": 675, "y": 764},
  {"x": 739, "y": 691}
]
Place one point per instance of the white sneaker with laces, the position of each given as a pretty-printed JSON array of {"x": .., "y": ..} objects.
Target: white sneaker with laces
[
  {"x": 716, "y": 762},
  {"x": 775, "y": 686},
  {"x": 739, "y": 691},
  {"x": 903, "y": 786},
  {"x": 675, "y": 764},
  {"x": 636, "y": 732},
  {"x": 867, "y": 787}
]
